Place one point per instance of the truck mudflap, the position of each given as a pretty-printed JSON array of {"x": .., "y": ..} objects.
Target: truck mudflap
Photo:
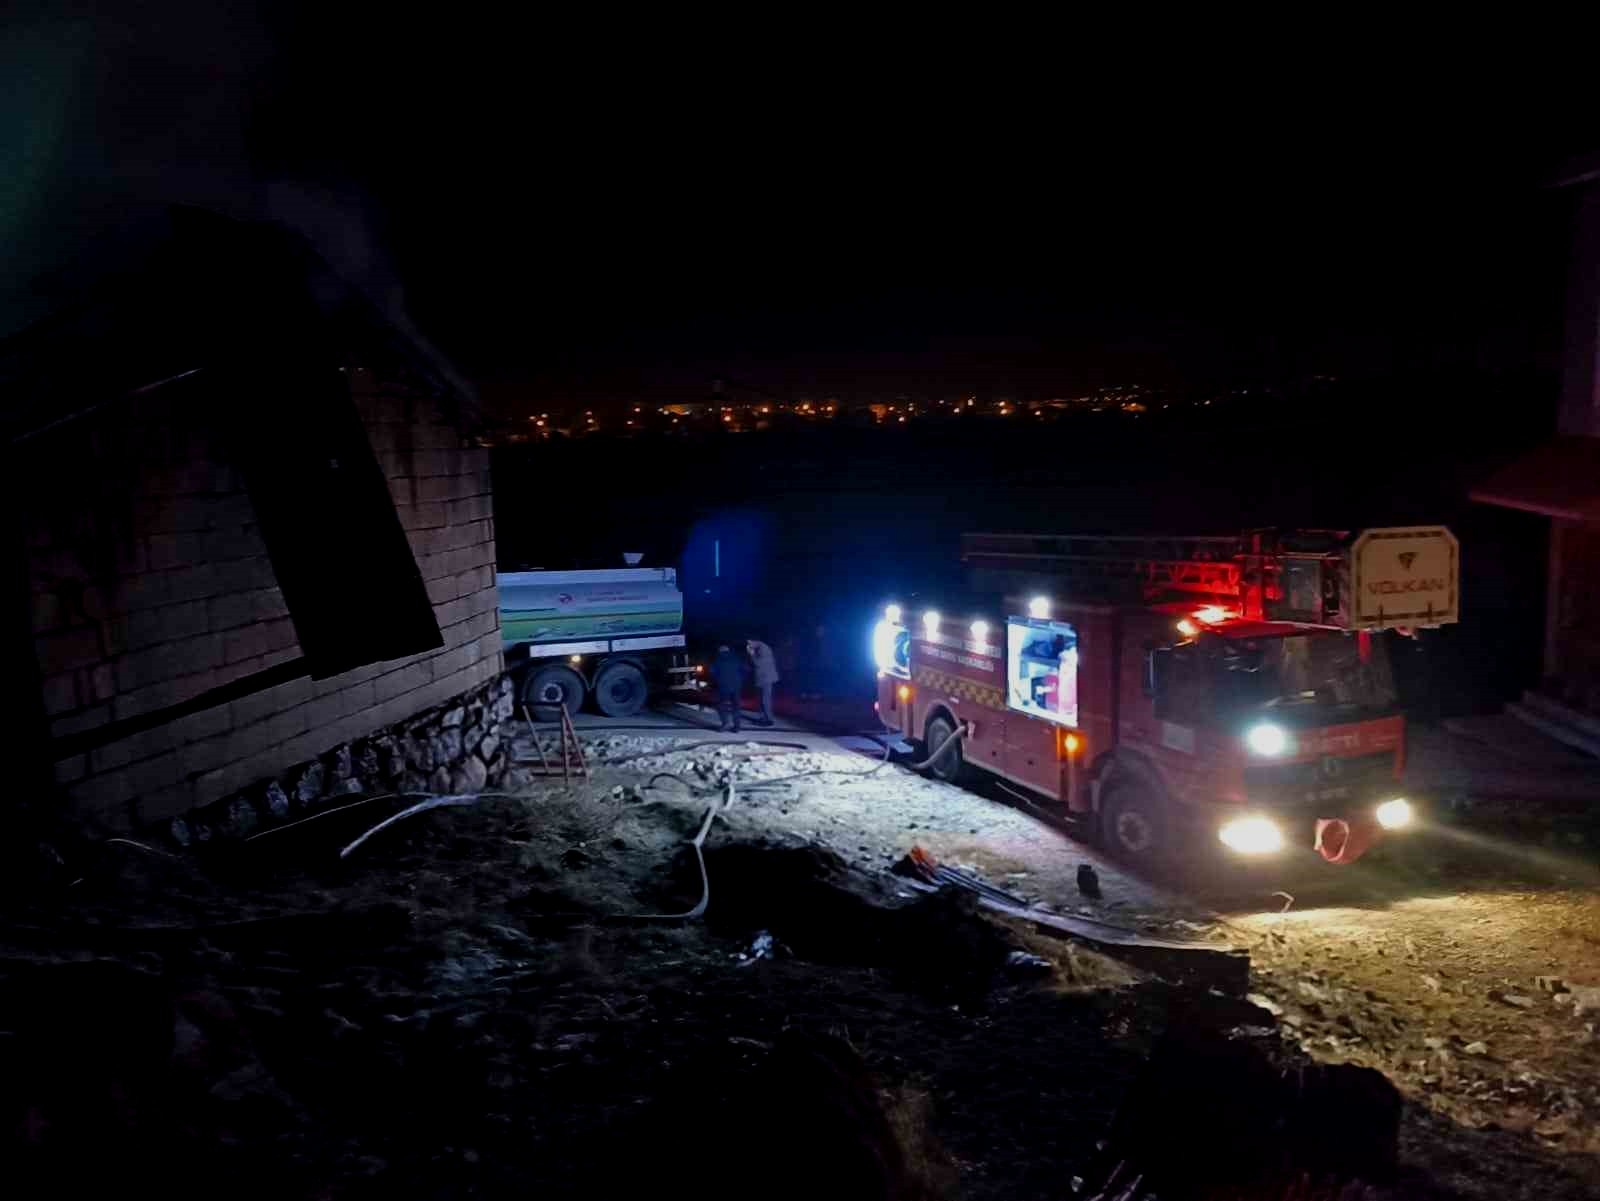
[{"x": 1345, "y": 839}]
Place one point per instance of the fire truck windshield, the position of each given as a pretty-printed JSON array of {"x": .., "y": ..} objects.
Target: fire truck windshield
[
  {"x": 1321, "y": 669},
  {"x": 1226, "y": 678}
]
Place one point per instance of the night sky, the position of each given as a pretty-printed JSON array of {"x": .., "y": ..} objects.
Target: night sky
[{"x": 607, "y": 213}]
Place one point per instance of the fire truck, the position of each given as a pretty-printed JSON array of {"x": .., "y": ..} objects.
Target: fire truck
[{"x": 1161, "y": 690}]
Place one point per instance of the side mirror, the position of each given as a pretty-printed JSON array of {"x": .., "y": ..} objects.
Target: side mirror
[{"x": 1157, "y": 675}]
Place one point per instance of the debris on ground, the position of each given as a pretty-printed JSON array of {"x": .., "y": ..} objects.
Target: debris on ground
[
  {"x": 762, "y": 946},
  {"x": 1585, "y": 998},
  {"x": 1027, "y": 961},
  {"x": 470, "y": 1005}
]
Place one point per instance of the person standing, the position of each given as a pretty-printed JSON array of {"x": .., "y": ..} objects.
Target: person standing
[
  {"x": 766, "y": 674},
  {"x": 727, "y": 673}
]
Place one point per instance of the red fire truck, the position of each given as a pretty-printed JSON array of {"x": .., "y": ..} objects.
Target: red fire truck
[{"x": 1232, "y": 689}]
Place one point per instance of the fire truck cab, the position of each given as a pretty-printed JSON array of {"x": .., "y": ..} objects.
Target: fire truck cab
[{"x": 1233, "y": 690}]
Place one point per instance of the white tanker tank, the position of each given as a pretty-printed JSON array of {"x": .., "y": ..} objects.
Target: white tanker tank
[
  {"x": 614, "y": 635},
  {"x": 558, "y": 606}
]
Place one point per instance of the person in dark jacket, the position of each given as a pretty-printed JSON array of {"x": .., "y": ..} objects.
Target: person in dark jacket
[{"x": 727, "y": 673}]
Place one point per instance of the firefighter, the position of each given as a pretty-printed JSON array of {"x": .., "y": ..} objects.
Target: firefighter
[
  {"x": 765, "y": 664},
  {"x": 727, "y": 673}
]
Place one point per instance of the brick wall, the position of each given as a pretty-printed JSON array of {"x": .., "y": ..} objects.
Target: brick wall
[{"x": 151, "y": 586}]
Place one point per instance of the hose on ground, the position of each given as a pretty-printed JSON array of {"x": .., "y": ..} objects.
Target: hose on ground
[
  {"x": 715, "y": 810},
  {"x": 938, "y": 753},
  {"x": 694, "y": 746},
  {"x": 433, "y": 802},
  {"x": 825, "y": 771}
]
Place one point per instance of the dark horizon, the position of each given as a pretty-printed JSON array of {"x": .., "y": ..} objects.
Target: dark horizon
[{"x": 580, "y": 230}]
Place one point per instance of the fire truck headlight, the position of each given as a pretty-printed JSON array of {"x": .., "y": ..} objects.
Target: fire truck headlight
[
  {"x": 1267, "y": 739},
  {"x": 1395, "y": 814},
  {"x": 1252, "y": 836},
  {"x": 883, "y": 635}
]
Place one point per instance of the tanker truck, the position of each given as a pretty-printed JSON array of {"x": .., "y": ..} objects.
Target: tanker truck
[{"x": 614, "y": 636}]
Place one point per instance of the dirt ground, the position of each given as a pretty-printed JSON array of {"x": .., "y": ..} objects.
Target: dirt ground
[
  {"x": 1470, "y": 984},
  {"x": 499, "y": 997}
]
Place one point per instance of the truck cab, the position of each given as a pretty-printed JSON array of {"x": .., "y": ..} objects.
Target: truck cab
[{"x": 1262, "y": 734}]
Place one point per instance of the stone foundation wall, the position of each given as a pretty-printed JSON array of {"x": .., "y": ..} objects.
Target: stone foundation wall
[{"x": 460, "y": 746}]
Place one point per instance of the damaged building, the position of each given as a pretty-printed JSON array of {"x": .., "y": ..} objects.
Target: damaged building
[
  {"x": 257, "y": 542},
  {"x": 1560, "y": 480}
]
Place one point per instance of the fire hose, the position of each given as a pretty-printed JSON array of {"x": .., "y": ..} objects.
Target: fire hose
[
  {"x": 725, "y": 802},
  {"x": 721, "y": 805},
  {"x": 938, "y": 753}
]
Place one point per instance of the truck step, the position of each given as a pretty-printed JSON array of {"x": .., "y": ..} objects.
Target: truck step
[
  {"x": 1554, "y": 710},
  {"x": 1539, "y": 717}
]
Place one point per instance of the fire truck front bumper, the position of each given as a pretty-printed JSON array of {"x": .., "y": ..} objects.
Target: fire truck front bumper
[{"x": 1341, "y": 836}]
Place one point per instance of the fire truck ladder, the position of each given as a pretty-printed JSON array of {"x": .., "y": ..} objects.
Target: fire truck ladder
[{"x": 1204, "y": 567}]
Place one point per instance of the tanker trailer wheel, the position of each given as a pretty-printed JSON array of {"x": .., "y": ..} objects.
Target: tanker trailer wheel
[
  {"x": 1135, "y": 825},
  {"x": 620, "y": 690},
  {"x": 546, "y": 689},
  {"x": 948, "y": 767}
]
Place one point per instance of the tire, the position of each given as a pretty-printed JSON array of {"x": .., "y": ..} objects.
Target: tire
[
  {"x": 1135, "y": 825},
  {"x": 949, "y": 766},
  {"x": 621, "y": 690},
  {"x": 546, "y": 689}
]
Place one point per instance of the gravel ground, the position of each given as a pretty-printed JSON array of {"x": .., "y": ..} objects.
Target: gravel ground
[
  {"x": 1459, "y": 961},
  {"x": 477, "y": 1002}
]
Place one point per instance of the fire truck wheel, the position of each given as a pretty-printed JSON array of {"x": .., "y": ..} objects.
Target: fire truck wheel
[
  {"x": 1133, "y": 824},
  {"x": 620, "y": 690},
  {"x": 546, "y": 689},
  {"x": 948, "y": 768}
]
